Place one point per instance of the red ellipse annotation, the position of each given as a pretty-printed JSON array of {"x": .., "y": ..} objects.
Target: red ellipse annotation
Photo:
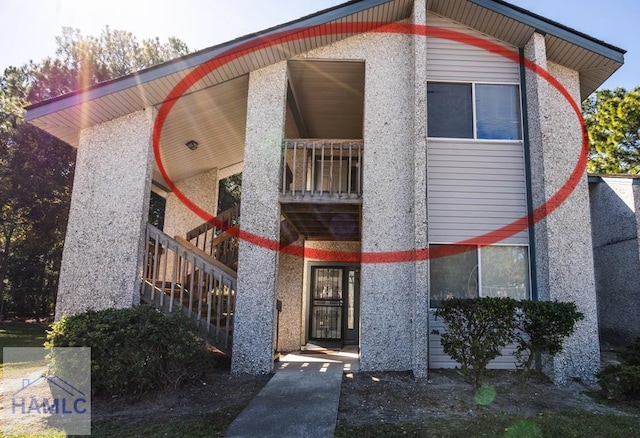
[{"x": 262, "y": 42}]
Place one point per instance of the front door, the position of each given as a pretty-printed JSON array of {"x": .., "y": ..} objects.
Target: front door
[{"x": 334, "y": 310}]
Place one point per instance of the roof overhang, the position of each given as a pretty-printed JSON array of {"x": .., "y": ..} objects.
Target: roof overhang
[
  {"x": 595, "y": 60},
  {"x": 66, "y": 115}
]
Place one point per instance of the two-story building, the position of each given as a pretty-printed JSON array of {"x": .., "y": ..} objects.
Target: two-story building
[{"x": 394, "y": 153}]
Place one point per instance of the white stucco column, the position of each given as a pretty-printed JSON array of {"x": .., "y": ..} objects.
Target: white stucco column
[
  {"x": 387, "y": 287},
  {"x": 202, "y": 189},
  {"x": 421, "y": 289},
  {"x": 101, "y": 261},
  {"x": 254, "y": 325},
  {"x": 563, "y": 245}
]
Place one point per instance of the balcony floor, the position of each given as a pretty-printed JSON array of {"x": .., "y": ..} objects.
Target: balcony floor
[{"x": 324, "y": 221}]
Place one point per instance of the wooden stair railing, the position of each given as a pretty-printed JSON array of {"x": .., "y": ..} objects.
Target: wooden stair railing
[
  {"x": 215, "y": 240},
  {"x": 178, "y": 277}
]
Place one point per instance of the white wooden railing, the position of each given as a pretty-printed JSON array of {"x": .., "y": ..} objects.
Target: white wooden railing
[
  {"x": 321, "y": 169},
  {"x": 177, "y": 276}
]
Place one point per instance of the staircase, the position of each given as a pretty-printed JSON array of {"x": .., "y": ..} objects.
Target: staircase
[
  {"x": 197, "y": 275},
  {"x": 218, "y": 239},
  {"x": 179, "y": 277}
]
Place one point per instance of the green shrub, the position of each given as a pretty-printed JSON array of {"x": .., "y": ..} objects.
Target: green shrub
[
  {"x": 477, "y": 331},
  {"x": 631, "y": 354},
  {"x": 541, "y": 326},
  {"x": 620, "y": 381},
  {"x": 623, "y": 381},
  {"x": 133, "y": 350}
]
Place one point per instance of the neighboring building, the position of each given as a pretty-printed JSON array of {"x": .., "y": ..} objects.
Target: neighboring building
[
  {"x": 615, "y": 216},
  {"x": 352, "y": 139}
]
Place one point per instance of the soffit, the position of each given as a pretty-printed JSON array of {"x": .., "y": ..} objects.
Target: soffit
[
  {"x": 63, "y": 117},
  {"x": 329, "y": 97},
  {"x": 214, "y": 117}
]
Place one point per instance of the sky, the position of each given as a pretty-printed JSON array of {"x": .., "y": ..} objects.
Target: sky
[{"x": 30, "y": 26}]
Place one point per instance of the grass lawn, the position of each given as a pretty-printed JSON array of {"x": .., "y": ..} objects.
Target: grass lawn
[
  {"x": 21, "y": 334},
  {"x": 552, "y": 424},
  {"x": 192, "y": 426}
]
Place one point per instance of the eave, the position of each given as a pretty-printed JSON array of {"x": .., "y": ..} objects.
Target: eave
[{"x": 66, "y": 115}]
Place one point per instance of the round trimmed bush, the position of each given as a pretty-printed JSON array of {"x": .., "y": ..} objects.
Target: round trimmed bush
[{"x": 133, "y": 350}]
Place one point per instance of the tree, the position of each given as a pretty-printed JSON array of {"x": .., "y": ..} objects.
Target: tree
[
  {"x": 36, "y": 169},
  {"x": 229, "y": 192},
  {"x": 82, "y": 61},
  {"x": 612, "y": 118}
]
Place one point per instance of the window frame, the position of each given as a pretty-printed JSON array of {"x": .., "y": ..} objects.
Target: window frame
[
  {"x": 478, "y": 248},
  {"x": 474, "y": 113}
]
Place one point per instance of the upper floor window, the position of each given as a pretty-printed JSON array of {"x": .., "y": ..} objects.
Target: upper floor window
[{"x": 472, "y": 110}]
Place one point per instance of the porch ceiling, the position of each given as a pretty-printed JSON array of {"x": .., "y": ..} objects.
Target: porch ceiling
[
  {"x": 327, "y": 98},
  {"x": 214, "y": 117}
]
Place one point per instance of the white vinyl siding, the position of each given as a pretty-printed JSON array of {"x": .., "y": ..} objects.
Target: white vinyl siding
[
  {"x": 452, "y": 61},
  {"x": 474, "y": 186}
]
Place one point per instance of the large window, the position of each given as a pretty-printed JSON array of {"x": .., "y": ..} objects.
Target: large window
[
  {"x": 469, "y": 271},
  {"x": 476, "y": 111}
]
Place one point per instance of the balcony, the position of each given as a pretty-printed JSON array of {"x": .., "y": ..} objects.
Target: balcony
[
  {"x": 321, "y": 189},
  {"x": 322, "y": 170}
]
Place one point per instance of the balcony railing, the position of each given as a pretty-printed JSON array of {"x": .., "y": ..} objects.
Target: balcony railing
[{"x": 315, "y": 169}]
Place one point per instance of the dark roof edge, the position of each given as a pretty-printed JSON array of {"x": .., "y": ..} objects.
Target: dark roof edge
[
  {"x": 193, "y": 59},
  {"x": 547, "y": 26}
]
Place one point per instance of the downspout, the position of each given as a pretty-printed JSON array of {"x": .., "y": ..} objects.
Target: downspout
[{"x": 528, "y": 178}]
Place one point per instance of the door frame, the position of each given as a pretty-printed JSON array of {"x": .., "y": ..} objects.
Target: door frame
[{"x": 307, "y": 294}]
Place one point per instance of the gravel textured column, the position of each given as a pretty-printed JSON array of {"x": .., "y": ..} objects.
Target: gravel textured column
[
  {"x": 101, "y": 262},
  {"x": 421, "y": 287},
  {"x": 387, "y": 289},
  {"x": 253, "y": 337},
  {"x": 202, "y": 189},
  {"x": 564, "y": 257}
]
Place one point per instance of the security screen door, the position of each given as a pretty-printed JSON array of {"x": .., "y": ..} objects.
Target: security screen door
[{"x": 335, "y": 296}]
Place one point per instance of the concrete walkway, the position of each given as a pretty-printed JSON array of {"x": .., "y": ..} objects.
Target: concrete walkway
[{"x": 300, "y": 400}]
